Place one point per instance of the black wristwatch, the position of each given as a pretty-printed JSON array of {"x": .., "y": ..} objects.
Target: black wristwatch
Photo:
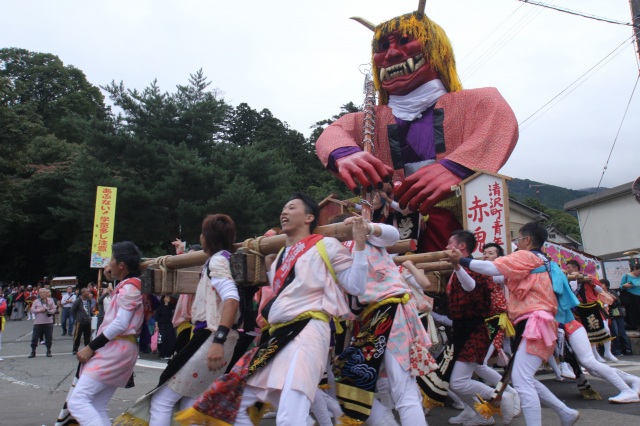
[{"x": 219, "y": 337}]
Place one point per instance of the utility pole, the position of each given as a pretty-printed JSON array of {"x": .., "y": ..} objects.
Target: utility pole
[{"x": 635, "y": 18}]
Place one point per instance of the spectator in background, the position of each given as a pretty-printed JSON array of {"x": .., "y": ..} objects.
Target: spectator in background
[
  {"x": 167, "y": 334},
  {"x": 30, "y": 295},
  {"x": 93, "y": 303},
  {"x": 630, "y": 296},
  {"x": 3, "y": 311},
  {"x": 44, "y": 307},
  {"x": 81, "y": 311},
  {"x": 103, "y": 303},
  {"x": 93, "y": 289},
  {"x": 150, "y": 303},
  {"x": 9, "y": 295},
  {"x": 621, "y": 345},
  {"x": 67, "y": 302},
  {"x": 18, "y": 305}
]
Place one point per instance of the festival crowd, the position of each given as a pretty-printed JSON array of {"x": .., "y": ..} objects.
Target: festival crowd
[
  {"x": 73, "y": 310},
  {"x": 341, "y": 334}
]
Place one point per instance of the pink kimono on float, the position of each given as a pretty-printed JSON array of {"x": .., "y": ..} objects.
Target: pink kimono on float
[
  {"x": 531, "y": 297},
  {"x": 113, "y": 363}
]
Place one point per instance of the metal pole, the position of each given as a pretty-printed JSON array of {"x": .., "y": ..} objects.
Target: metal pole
[
  {"x": 369, "y": 134},
  {"x": 635, "y": 17}
]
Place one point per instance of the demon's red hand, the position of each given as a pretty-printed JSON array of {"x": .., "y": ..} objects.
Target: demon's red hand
[
  {"x": 365, "y": 169},
  {"x": 426, "y": 187}
]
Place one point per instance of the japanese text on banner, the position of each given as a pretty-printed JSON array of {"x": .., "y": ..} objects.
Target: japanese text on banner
[
  {"x": 485, "y": 212},
  {"x": 103, "y": 225}
]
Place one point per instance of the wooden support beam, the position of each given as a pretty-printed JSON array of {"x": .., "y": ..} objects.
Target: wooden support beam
[
  {"x": 435, "y": 267},
  {"x": 180, "y": 273},
  {"x": 435, "y": 256}
]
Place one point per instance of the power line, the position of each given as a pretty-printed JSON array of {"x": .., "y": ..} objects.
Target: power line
[
  {"x": 613, "y": 52},
  {"x": 491, "y": 33},
  {"x": 573, "y": 12},
  {"x": 606, "y": 164},
  {"x": 505, "y": 38},
  {"x": 569, "y": 92}
]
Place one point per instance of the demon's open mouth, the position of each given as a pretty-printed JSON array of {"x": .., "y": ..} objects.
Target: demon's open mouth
[{"x": 407, "y": 67}]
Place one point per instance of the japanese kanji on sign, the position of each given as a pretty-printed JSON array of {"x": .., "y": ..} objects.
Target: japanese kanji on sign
[
  {"x": 103, "y": 225},
  {"x": 485, "y": 209}
]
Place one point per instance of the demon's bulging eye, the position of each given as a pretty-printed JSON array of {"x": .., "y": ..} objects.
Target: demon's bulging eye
[
  {"x": 404, "y": 40},
  {"x": 383, "y": 45}
]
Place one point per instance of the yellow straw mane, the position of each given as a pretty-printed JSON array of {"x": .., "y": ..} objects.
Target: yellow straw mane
[{"x": 437, "y": 48}]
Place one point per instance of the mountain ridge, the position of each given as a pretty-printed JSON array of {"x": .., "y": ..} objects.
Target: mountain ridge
[{"x": 550, "y": 196}]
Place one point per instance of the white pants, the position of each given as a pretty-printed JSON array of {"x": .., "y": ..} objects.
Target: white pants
[
  {"x": 404, "y": 393},
  {"x": 88, "y": 402},
  {"x": 324, "y": 407},
  {"x": 530, "y": 390},
  {"x": 488, "y": 374},
  {"x": 582, "y": 349},
  {"x": 464, "y": 386},
  {"x": 293, "y": 406},
  {"x": 492, "y": 348},
  {"x": 554, "y": 366},
  {"x": 162, "y": 404}
]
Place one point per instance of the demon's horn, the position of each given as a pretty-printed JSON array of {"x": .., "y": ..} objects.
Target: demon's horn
[
  {"x": 421, "y": 5},
  {"x": 364, "y": 22}
]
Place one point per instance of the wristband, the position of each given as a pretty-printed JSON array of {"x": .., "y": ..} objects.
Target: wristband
[
  {"x": 98, "y": 342},
  {"x": 371, "y": 229},
  {"x": 220, "y": 336},
  {"x": 465, "y": 262}
]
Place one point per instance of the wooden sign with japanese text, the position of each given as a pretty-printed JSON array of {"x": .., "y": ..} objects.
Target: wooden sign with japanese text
[
  {"x": 485, "y": 209},
  {"x": 103, "y": 225}
]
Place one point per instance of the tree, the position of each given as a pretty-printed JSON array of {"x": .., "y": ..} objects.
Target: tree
[
  {"x": 174, "y": 157},
  {"x": 60, "y": 95},
  {"x": 563, "y": 221},
  {"x": 319, "y": 126},
  {"x": 46, "y": 109}
]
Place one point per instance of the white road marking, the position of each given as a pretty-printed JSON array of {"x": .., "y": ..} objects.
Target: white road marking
[
  {"x": 151, "y": 364},
  {"x": 18, "y": 382}
]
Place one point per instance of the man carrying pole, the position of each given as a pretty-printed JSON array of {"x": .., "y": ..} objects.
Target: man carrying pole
[
  {"x": 532, "y": 306},
  {"x": 308, "y": 280}
]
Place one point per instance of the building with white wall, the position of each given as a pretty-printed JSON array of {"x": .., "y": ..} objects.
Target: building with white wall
[{"x": 609, "y": 221}]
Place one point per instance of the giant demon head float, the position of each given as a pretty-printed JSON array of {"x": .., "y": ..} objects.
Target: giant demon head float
[{"x": 408, "y": 51}]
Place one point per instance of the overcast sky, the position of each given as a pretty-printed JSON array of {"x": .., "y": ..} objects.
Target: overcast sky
[{"x": 300, "y": 59}]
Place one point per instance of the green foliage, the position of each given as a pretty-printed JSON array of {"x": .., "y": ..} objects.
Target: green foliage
[
  {"x": 319, "y": 126},
  {"x": 549, "y": 195},
  {"x": 45, "y": 108},
  {"x": 563, "y": 221},
  {"x": 60, "y": 95},
  {"x": 173, "y": 156}
]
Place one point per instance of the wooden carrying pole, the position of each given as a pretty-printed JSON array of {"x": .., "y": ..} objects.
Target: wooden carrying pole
[
  {"x": 435, "y": 266},
  {"x": 270, "y": 245},
  {"x": 579, "y": 277},
  {"x": 181, "y": 273},
  {"x": 435, "y": 256}
]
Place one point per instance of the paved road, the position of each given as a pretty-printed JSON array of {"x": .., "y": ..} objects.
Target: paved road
[{"x": 32, "y": 391}]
